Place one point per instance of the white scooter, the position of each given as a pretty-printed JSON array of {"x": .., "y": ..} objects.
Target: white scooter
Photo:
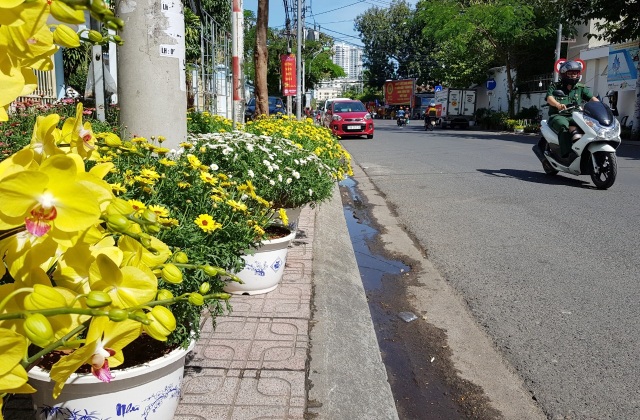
[{"x": 594, "y": 146}]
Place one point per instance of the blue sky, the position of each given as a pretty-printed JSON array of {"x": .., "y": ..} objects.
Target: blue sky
[{"x": 335, "y": 18}]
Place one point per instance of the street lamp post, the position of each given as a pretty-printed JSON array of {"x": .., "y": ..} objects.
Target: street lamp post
[{"x": 304, "y": 67}]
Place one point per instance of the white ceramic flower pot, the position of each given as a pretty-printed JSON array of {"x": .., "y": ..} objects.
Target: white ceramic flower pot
[
  {"x": 293, "y": 214},
  {"x": 264, "y": 269},
  {"x": 150, "y": 391}
]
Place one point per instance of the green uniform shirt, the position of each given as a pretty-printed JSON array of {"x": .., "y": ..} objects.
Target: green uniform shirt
[{"x": 580, "y": 93}]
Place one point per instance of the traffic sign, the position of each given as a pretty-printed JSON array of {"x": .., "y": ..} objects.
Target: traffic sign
[
  {"x": 491, "y": 84},
  {"x": 438, "y": 88},
  {"x": 561, "y": 61}
]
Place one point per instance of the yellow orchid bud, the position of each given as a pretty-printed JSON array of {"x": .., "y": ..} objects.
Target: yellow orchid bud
[
  {"x": 115, "y": 23},
  {"x": 150, "y": 215},
  {"x": 210, "y": 270},
  {"x": 65, "y": 13},
  {"x": 196, "y": 299},
  {"x": 141, "y": 316},
  {"x": 153, "y": 229},
  {"x": 38, "y": 329},
  {"x": 164, "y": 294},
  {"x": 118, "y": 315},
  {"x": 111, "y": 139},
  {"x": 117, "y": 222},
  {"x": 181, "y": 257},
  {"x": 94, "y": 36},
  {"x": 66, "y": 37},
  {"x": 204, "y": 288},
  {"x": 120, "y": 206},
  {"x": 98, "y": 299},
  {"x": 162, "y": 323},
  {"x": 44, "y": 297},
  {"x": 172, "y": 274}
]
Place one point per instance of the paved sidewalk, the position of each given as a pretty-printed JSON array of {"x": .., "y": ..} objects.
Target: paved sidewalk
[
  {"x": 313, "y": 331},
  {"x": 253, "y": 365}
]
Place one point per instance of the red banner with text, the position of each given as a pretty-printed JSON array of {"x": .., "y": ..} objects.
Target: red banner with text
[
  {"x": 399, "y": 92},
  {"x": 288, "y": 71}
]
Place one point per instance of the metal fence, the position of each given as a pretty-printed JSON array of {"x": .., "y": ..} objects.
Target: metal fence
[
  {"x": 211, "y": 87},
  {"x": 45, "y": 92}
]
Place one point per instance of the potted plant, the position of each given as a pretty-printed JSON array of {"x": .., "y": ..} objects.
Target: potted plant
[
  {"x": 85, "y": 274},
  {"x": 282, "y": 171},
  {"x": 304, "y": 134},
  {"x": 85, "y": 278},
  {"x": 230, "y": 218}
]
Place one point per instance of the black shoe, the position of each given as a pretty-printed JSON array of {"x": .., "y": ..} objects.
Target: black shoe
[{"x": 569, "y": 158}]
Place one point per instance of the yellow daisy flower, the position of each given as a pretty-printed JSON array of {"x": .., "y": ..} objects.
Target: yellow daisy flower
[
  {"x": 207, "y": 224},
  {"x": 137, "y": 205}
]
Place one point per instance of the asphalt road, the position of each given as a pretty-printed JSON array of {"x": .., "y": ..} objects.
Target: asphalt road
[{"x": 548, "y": 266}]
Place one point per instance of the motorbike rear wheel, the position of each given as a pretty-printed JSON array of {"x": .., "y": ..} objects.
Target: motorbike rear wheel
[{"x": 605, "y": 169}]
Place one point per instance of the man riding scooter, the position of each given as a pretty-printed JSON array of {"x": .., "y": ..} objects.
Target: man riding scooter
[
  {"x": 430, "y": 116},
  {"x": 570, "y": 74},
  {"x": 401, "y": 117}
]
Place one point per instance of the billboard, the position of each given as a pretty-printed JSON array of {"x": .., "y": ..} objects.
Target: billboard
[
  {"x": 399, "y": 92},
  {"x": 288, "y": 71},
  {"x": 623, "y": 66}
]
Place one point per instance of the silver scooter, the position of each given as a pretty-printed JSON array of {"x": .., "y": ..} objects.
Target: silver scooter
[{"x": 594, "y": 144}]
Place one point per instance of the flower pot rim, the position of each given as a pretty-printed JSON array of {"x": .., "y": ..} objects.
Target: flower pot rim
[
  {"x": 40, "y": 374},
  {"x": 289, "y": 237}
]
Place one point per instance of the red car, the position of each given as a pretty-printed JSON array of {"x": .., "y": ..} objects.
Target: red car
[{"x": 349, "y": 118}]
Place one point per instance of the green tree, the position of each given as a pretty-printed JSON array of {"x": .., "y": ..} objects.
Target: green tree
[
  {"x": 615, "y": 21},
  {"x": 475, "y": 35},
  {"x": 75, "y": 63},
  {"x": 394, "y": 47},
  {"x": 261, "y": 58}
]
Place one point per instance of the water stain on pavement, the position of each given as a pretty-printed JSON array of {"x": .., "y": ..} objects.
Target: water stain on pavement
[{"x": 423, "y": 380}]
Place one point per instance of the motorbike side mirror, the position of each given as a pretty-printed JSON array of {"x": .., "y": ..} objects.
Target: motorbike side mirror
[{"x": 559, "y": 93}]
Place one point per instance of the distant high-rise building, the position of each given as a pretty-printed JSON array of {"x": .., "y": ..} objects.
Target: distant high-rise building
[{"x": 349, "y": 57}]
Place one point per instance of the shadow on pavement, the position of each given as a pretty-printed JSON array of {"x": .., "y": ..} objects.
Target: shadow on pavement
[{"x": 537, "y": 177}]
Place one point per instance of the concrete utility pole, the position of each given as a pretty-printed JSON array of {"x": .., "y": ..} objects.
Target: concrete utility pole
[
  {"x": 556, "y": 75},
  {"x": 237, "y": 44},
  {"x": 300, "y": 75},
  {"x": 152, "y": 88},
  {"x": 98, "y": 73}
]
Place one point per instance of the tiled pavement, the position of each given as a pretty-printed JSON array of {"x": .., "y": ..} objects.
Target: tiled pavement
[{"x": 253, "y": 364}]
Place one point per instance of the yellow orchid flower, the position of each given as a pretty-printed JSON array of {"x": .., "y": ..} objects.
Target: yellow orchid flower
[
  {"x": 72, "y": 270},
  {"x": 127, "y": 286},
  {"x": 103, "y": 348},
  {"x": 18, "y": 162},
  {"x": 24, "y": 252},
  {"x": 13, "y": 377},
  {"x": 31, "y": 41},
  {"x": 137, "y": 255},
  {"x": 43, "y": 296},
  {"x": 43, "y": 140},
  {"x": 80, "y": 137},
  {"x": 48, "y": 198}
]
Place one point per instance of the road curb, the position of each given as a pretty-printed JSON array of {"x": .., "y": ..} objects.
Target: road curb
[{"x": 347, "y": 377}]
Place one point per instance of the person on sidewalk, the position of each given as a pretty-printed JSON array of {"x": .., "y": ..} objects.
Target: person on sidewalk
[{"x": 570, "y": 75}]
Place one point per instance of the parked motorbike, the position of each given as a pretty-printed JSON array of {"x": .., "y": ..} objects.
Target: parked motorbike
[
  {"x": 594, "y": 146},
  {"x": 402, "y": 121}
]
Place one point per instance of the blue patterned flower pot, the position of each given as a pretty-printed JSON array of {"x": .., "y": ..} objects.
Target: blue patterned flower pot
[
  {"x": 150, "y": 391},
  {"x": 264, "y": 269}
]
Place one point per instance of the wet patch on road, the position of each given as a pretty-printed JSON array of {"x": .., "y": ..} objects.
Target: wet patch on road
[{"x": 423, "y": 380}]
